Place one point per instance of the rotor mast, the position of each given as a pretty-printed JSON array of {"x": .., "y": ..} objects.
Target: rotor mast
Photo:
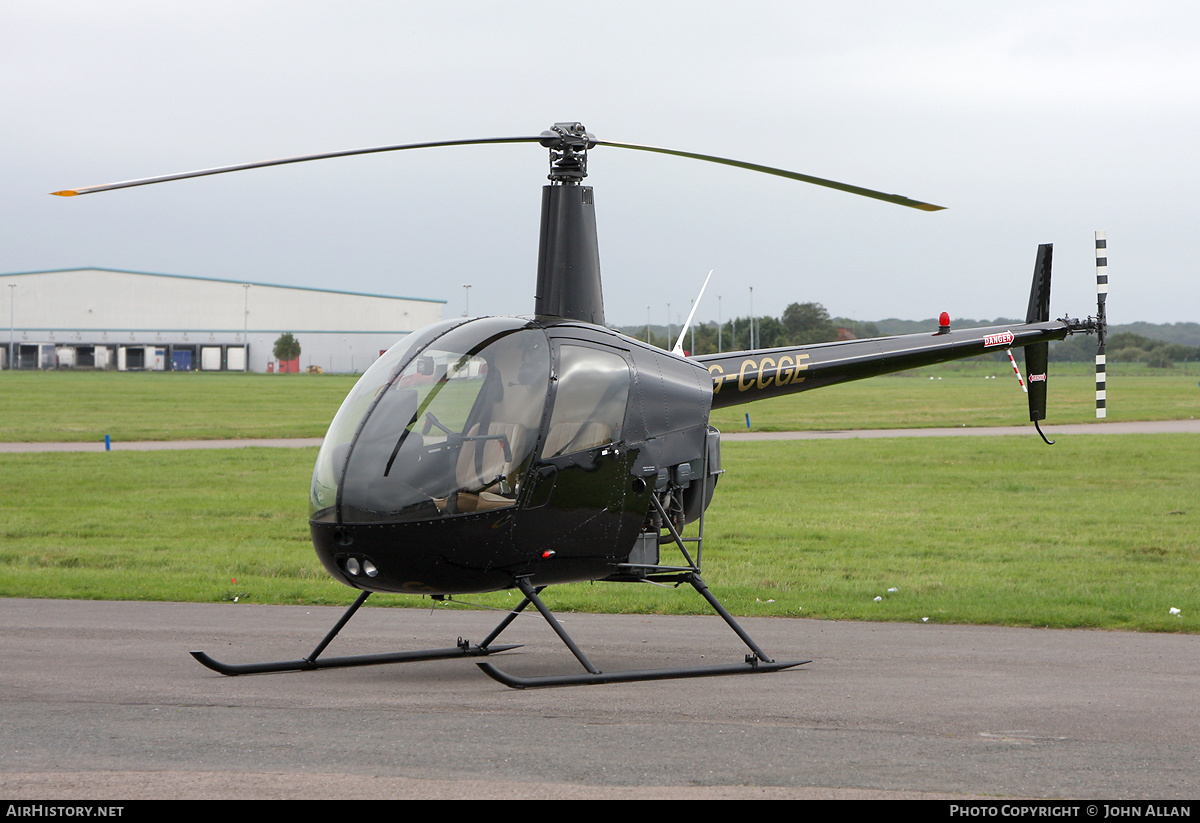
[{"x": 568, "y": 279}]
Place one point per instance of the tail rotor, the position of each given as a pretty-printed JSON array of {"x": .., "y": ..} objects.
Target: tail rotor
[{"x": 1036, "y": 354}]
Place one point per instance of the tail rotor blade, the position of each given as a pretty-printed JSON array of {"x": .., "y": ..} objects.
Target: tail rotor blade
[{"x": 1101, "y": 323}]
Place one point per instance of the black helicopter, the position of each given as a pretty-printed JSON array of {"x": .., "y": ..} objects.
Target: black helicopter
[{"x": 494, "y": 453}]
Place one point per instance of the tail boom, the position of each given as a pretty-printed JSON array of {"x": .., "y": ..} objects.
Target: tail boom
[{"x": 745, "y": 376}]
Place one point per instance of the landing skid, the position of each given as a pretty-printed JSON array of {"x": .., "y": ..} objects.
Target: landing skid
[
  {"x": 311, "y": 663},
  {"x": 752, "y": 666},
  {"x": 755, "y": 663}
]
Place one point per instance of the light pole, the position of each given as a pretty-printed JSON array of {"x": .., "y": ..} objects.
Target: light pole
[
  {"x": 466, "y": 299},
  {"x": 647, "y": 325},
  {"x": 245, "y": 329},
  {"x": 719, "y": 329},
  {"x": 692, "y": 329},
  {"x": 752, "y": 317},
  {"x": 12, "y": 301}
]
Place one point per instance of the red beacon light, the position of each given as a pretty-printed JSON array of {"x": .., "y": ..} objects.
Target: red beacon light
[{"x": 944, "y": 323}]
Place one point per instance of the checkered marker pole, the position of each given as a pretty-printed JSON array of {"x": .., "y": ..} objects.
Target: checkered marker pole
[{"x": 1101, "y": 323}]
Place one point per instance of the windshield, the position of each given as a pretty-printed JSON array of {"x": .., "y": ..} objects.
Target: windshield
[{"x": 450, "y": 432}]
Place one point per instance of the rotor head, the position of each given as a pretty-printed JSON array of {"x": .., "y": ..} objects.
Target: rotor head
[{"x": 568, "y": 143}]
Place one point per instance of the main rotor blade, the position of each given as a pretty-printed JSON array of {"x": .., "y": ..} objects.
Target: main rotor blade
[
  {"x": 146, "y": 181},
  {"x": 898, "y": 199},
  {"x": 805, "y": 178}
]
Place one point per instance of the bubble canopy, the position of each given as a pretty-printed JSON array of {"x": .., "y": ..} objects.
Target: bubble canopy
[{"x": 444, "y": 423}]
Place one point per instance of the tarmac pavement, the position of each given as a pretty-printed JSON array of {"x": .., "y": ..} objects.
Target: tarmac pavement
[{"x": 100, "y": 700}]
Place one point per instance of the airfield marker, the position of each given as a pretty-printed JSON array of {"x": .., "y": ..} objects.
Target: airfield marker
[{"x": 1101, "y": 297}]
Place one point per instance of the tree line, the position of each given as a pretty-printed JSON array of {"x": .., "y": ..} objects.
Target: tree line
[
  {"x": 806, "y": 323},
  {"x": 800, "y": 324},
  {"x": 1125, "y": 347}
]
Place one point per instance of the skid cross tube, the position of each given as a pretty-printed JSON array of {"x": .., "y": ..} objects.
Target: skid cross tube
[
  {"x": 555, "y": 624},
  {"x": 756, "y": 663},
  {"x": 509, "y": 618},
  {"x": 311, "y": 663},
  {"x": 670, "y": 527},
  {"x": 699, "y": 586}
]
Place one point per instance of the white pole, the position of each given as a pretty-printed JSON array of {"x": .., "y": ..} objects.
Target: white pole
[
  {"x": 1101, "y": 297},
  {"x": 12, "y": 301},
  {"x": 752, "y": 346},
  {"x": 245, "y": 330}
]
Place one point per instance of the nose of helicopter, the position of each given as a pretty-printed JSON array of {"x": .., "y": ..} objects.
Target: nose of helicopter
[
  {"x": 453, "y": 556},
  {"x": 428, "y": 454}
]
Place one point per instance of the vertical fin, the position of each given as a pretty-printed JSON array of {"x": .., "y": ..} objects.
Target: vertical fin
[
  {"x": 1039, "y": 294},
  {"x": 1038, "y": 355}
]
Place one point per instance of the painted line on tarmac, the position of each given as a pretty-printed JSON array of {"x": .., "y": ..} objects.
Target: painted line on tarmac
[
  {"x": 1133, "y": 427},
  {"x": 164, "y": 445}
]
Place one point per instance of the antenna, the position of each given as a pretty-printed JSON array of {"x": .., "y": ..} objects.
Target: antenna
[{"x": 679, "y": 343}]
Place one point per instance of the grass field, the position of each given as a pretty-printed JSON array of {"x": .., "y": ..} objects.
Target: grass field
[
  {"x": 76, "y": 407},
  {"x": 85, "y": 406},
  {"x": 974, "y": 393},
  {"x": 1094, "y": 531}
]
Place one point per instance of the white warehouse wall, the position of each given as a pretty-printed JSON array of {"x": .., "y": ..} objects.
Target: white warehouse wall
[{"x": 339, "y": 331}]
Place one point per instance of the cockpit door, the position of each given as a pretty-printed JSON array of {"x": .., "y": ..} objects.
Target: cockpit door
[{"x": 577, "y": 506}]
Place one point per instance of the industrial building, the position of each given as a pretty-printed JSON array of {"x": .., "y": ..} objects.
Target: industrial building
[{"x": 126, "y": 320}]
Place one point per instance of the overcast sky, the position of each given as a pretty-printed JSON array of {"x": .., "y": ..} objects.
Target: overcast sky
[{"x": 1033, "y": 122}]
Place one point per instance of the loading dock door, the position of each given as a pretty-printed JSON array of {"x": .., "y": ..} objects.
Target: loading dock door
[
  {"x": 210, "y": 358},
  {"x": 235, "y": 358}
]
